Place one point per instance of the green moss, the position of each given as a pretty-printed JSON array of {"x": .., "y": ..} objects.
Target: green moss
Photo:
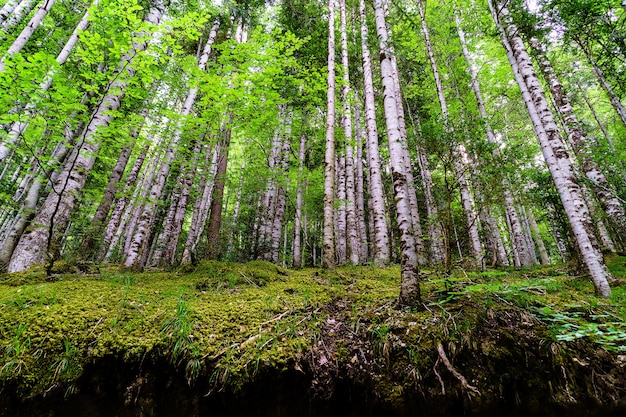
[{"x": 231, "y": 321}]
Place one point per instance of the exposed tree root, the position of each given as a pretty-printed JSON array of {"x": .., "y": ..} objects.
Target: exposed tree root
[{"x": 444, "y": 358}]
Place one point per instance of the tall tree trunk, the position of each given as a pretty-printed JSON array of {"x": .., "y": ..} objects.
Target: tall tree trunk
[
  {"x": 21, "y": 11},
  {"x": 297, "y": 223},
  {"x": 234, "y": 233},
  {"x": 460, "y": 158},
  {"x": 28, "y": 31},
  {"x": 7, "y": 9},
  {"x": 328, "y": 260},
  {"x": 601, "y": 187},
  {"x": 351, "y": 215},
  {"x": 341, "y": 246},
  {"x": 554, "y": 153},
  {"x": 488, "y": 221},
  {"x": 380, "y": 243},
  {"x": 360, "y": 186},
  {"x": 19, "y": 127},
  {"x": 534, "y": 228},
  {"x": 120, "y": 205},
  {"x": 205, "y": 190},
  {"x": 410, "y": 284},
  {"x": 215, "y": 216},
  {"x": 133, "y": 258},
  {"x": 38, "y": 245},
  {"x": 108, "y": 197}
]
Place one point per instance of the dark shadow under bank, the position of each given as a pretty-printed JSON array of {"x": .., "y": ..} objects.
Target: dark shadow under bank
[{"x": 114, "y": 388}]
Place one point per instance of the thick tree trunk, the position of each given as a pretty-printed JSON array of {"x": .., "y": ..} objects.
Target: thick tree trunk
[
  {"x": 410, "y": 284},
  {"x": 554, "y": 153},
  {"x": 328, "y": 259},
  {"x": 380, "y": 243},
  {"x": 601, "y": 187},
  {"x": 39, "y": 244}
]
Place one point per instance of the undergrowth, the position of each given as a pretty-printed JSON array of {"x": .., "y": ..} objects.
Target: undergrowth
[{"x": 231, "y": 321}]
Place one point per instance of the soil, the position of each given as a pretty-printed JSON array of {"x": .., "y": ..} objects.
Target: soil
[{"x": 501, "y": 362}]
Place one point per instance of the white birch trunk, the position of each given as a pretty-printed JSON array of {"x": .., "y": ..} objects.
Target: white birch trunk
[
  {"x": 555, "y": 154},
  {"x": 120, "y": 205},
  {"x": 7, "y": 9},
  {"x": 21, "y": 10},
  {"x": 205, "y": 188},
  {"x": 38, "y": 245},
  {"x": 297, "y": 223},
  {"x": 528, "y": 234},
  {"x": 410, "y": 284},
  {"x": 360, "y": 191},
  {"x": 601, "y": 187},
  {"x": 488, "y": 221},
  {"x": 340, "y": 211},
  {"x": 380, "y": 249},
  {"x": 19, "y": 127},
  {"x": 328, "y": 260},
  {"x": 353, "y": 245},
  {"x": 133, "y": 258},
  {"x": 460, "y": 159},
  {"x": 28, "y": 31}
]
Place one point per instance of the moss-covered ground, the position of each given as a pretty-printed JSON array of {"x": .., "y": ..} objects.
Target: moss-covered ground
[{"x": 516, "y": 337}]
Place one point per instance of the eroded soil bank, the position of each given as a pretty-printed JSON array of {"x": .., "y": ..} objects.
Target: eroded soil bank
[{"x": 266, "y": 342}]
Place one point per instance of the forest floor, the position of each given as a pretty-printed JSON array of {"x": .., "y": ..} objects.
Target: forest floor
[{"x": 256, "y": 339}]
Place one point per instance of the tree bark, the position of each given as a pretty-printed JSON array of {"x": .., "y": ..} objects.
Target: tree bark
[
  {"x": 328, "y": 259},
  {"x": 38, "y": 245},
  {"x": 380, "y": 249},
  {"x": 410, "y": 283},
  {"x": 205, "y": 190},
  {"x": 215, "y": 217},
  {"x": 554, "y": 153},
  {"x": 133, "y": 258},
  {"x": 353, "y": 245},
  {"x": 7, "y": 9},
  {"x": 460, "y": 158},
  {"x": 360, "y": 187},
  {"x": 19, "y": 127},
  {"x": 297, "y": 223},
  {"x": 21, "y": 10},
  {"x": 28, "y": 31},
  {"x": 601, "y": 187}
]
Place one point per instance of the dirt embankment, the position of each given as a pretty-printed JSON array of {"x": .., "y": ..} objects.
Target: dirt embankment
[{"x": 469, "y": 360}]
